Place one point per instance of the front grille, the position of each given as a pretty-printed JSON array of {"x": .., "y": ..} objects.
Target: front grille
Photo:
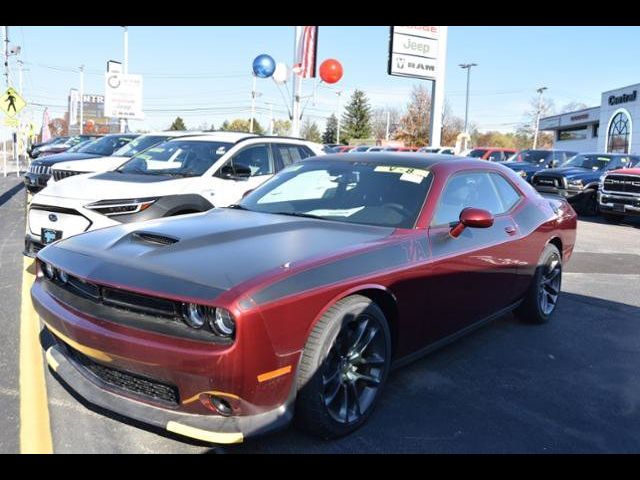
[
  {"x": 40, "y": 169},
  {"x": 634, "y": 202},
  {"x": 548, "y": 181},
  {"x": 121, "y": 299},
  {"x": 622, "y": 184},
  {"x": 62, "y": 174},
  {"x": 129, "y": 382}
]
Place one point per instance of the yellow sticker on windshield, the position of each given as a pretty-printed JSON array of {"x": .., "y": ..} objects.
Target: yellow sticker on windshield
[
  {"x": 402, "y": 170},
  {"x": 156, "y": 149}
]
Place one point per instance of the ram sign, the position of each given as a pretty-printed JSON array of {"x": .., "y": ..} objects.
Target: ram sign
[
  {"x": 413, "y": 51},
  {"x": 123, "y": 95}
]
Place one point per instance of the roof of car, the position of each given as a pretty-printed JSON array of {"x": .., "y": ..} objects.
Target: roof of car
[
  {"x": 404, "y": 159},
  {"x": 218, "y": 136}
]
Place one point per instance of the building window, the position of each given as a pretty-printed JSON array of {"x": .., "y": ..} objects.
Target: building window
[
  {"x": 596, "y": 127},
  {"x": 576, "y": 133},
  {"x": 619, "y": 133}
]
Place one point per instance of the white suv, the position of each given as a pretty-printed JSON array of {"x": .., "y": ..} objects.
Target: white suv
[{"x": 179, "y": 176}]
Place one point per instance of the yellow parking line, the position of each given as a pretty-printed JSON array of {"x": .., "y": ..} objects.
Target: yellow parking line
[{"x": 35, "y": 431}]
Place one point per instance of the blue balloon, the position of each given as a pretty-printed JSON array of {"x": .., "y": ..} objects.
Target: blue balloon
[{"x": 263, "y": 66}]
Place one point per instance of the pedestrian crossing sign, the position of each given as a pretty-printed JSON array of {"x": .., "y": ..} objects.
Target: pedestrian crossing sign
[{"x": 11, "y": 102}]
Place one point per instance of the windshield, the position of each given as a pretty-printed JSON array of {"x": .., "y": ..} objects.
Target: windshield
[
  {"x": 139, "y": 144},
  {"x": 535, "y": 156},
  {"x": 351, "y": 192},
  {"x": 591, "y": 162},
  {"x": 78, "y": 146},
  {"x": 105, "y": 146},
  {"x": 477, "y": 153},
  {"x": 186, "y": 158}
]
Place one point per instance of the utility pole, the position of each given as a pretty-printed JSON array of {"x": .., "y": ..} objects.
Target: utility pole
[
  {"x": 6, "y": 55},
  {"x": 253, "y": 103},
  {"x": 339, "y": 94},
  {"x": 467, "y": 67},
  {"x": 535, "y": 135},
  {"x": 388, "y": 125},
  {"x": 124, "y": 123},
  {"x": 81, "y": 99},
  {"x": 297, "y": 87}
]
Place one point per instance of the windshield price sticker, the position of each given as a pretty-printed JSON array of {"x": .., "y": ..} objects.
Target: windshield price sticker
[
  {"x": 402, "y": 170},
  {"x": 411, "y": 177}
]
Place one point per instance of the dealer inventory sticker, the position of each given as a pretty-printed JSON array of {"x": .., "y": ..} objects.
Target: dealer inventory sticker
[{"x": 415, "y": 175}]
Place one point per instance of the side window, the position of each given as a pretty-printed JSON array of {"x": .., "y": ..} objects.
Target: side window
[
  {"x": 467, "y": 190},
  {"x": 508, "y": 195},
  {"x": 290, "y": 154},
  {"x": 496, "y": 156},
  {"x": 256, "y": 158}
]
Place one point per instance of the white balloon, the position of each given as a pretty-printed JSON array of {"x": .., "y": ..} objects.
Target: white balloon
[{"x": 281, "y": 73}]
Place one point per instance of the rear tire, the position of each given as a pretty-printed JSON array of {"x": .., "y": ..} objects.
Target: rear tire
[
  {"x": 541, "y": 298},
  {"x": 343, "y": 368},
  {"x": 612, "y": 218}
]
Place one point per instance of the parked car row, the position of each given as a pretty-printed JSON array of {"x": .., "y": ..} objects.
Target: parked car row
[{"x": 311, "y": 278}]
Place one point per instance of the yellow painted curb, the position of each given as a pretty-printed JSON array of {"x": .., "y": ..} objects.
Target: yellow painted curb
[{"x": 35, "y": 430}]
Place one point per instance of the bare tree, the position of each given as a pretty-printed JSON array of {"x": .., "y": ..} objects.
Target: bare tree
[
  {"x": 379, "y": 118},
  {"x": 414, "y": 124}
]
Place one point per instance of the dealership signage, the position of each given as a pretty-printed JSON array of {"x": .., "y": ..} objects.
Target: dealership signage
[
  {"x": 624, "y": 98},
  {"x": 413, "y": 51},
  {"x": 123, "y": 95}
]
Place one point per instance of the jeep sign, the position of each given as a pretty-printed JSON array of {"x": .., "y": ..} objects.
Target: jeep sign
[{"x": 413, "y": 52}]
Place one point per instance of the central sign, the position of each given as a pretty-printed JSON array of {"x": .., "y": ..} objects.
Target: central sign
[
  {"x": 413, "y": 52},
  {"x": 123, "y": 95}
]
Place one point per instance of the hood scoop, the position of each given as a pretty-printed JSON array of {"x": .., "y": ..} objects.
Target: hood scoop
[{"x": 154, "y": 238}]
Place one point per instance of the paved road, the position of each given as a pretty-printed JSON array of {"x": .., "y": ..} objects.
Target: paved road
[{"x": 569, "y": 386}]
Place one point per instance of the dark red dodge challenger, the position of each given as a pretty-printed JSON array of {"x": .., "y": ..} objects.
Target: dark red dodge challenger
[{"x": 303, "y": 296}]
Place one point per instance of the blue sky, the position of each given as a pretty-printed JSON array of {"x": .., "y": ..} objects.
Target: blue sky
[{"x": 187, "y": 69}]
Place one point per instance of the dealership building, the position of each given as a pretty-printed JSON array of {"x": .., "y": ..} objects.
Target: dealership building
[{"x": 612, "y": 127}]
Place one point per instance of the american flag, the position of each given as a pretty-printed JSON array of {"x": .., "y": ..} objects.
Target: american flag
[
  {"x": 45, "y": 132},
  {"x": 305, "y": 66}
]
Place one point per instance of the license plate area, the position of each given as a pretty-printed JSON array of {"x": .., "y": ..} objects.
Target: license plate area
[{"x": 49, "y": 235}]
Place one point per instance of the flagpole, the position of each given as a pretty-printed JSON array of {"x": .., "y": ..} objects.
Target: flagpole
[{"x": 297, "y": 85}]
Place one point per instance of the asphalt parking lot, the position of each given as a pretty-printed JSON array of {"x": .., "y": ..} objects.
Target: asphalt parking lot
[{"x": 569, "y": 386}]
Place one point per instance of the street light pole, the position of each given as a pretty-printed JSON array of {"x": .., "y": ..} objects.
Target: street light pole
[
  {"x": 467, "y": 67},
  {"x": 81, "y": 99},
  {"x": 535, "y": 136},
  {"x": 125, "y": 69},
  {"x": 338, "y": 93}
]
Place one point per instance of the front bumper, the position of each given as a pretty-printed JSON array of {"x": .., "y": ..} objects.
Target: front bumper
[
  {"x": 32, "y": 245},
  {"x": 208, "y": 428},
  {"x": 34, "y": 182},
  {"x": 619, "y": 204},
  {"x": 572, "y": 195},
  {"x": 196, "y": 371}
]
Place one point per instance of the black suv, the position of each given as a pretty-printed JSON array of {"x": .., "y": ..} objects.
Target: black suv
[
  {"x": 39, "y": 171},
  {"x": 577, "y": 180},
  {"x": 527, "y": 162}
]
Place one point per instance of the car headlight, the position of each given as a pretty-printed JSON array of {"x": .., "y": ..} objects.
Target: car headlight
[
  {"x": 49, "y": 271},
  {"x": 111, "y": 208},
  {"x": 575, "y": 183},
  {"x": 223, "y": 323},
  {"x": 64, "y": 278},
  {"x": 219, "y": 320}
]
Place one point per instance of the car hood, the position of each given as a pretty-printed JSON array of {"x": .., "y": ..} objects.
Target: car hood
[
  {"x": 50, "y": 160},
  {"x": 571, "y": 173},
  {"x": 522, "y": 166},
  {"x": 213, "y": 252},
  {"x": 115, "y": 185},
  {"x": 96, "y": 164}
]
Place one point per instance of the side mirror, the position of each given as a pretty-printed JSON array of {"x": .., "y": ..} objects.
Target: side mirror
[
  {"x": 472, "y": 218},
  {"x": 235, "y": 171}
]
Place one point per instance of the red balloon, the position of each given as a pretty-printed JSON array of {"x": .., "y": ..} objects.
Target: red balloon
[{"x": 331, "y": 71}]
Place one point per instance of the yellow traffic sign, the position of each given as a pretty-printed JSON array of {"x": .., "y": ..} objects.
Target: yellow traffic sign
[
  {"x": 10, "y": 122},
  {"x": 11, "y": 102}
]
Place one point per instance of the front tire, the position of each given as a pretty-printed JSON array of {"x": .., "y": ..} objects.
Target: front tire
[
  {"x": 541, "y": 298},
  {"x": 590, "y": 203},
  {"x": 343, "y": 368}
]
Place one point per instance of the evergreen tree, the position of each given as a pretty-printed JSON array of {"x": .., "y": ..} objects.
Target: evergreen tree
[
  {"x": 356, "y": 119},
  {"x": 225, "y": 125},
  {"x": 331, "y": 130},
  {"x": 178, "y": 124}
]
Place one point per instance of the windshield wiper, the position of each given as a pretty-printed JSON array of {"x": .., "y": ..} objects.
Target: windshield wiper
[{"x": 299, "y": 214}]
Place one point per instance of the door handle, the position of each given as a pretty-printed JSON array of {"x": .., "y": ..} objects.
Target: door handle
[{"x": 510, "y": 230}]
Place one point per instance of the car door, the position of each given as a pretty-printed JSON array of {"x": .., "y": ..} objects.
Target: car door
[
  {"x": 472, "y": 276},
  {"x": 256, "y": 158}
]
